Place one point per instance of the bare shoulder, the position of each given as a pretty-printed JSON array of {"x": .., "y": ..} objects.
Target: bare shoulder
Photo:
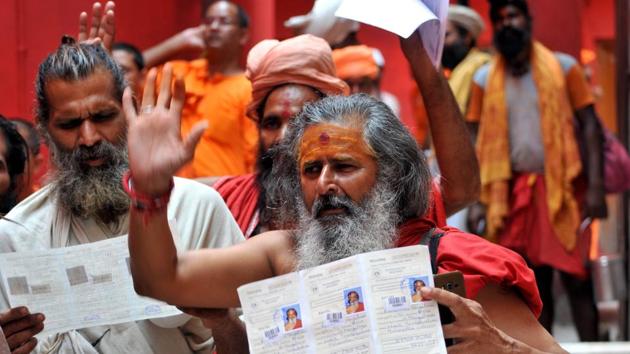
[{"x": 279, "y": 246}]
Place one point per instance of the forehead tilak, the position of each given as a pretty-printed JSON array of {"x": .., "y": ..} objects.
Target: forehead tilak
[{"x": 333, "y": 137}]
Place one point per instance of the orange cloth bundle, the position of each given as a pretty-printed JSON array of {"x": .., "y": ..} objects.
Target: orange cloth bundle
[{"x": 355, "y": 62}]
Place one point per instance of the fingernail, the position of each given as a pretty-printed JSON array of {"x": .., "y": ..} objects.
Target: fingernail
[
  {"x": 23, "y": 311},
  {"x": 426, "y": 290},
  {"x": 40, "y": 317}
]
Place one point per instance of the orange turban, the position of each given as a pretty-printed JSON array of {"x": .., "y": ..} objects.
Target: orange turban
[
  {"x": 304, "y": 60},
  {"x": 355, "y": 62}
]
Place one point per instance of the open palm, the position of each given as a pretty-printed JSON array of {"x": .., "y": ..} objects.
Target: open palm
[{"x": 156, "y": 148}]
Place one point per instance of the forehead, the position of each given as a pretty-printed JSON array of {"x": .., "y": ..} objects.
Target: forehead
[
  {"x": 124, "y": 58},
  {"x": 328, "y": 138},
  {"x": 290, "y": 95},
  {"x": 510, "y": 10},
  {"x": 73, "y": 97},
  {"x": 222, "y": 9},
  {"x": 450, "y": 27},
  {"x": 23, "y": 131}
]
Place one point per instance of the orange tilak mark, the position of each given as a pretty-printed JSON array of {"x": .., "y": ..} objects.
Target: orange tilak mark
[{"x": 331, "y": 139}]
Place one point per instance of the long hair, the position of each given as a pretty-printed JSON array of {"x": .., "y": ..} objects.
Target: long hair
[
  {"x": 400, "y": 163},
  {"x": 73, "y": 61}
]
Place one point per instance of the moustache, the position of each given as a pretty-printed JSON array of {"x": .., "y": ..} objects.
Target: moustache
[
  {"x": 103, "y": 150},
  {"x": 330, "y": 202},
  {"x": 510, "y": 41}
]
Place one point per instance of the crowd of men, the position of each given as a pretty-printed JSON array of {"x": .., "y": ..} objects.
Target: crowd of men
[{"x": 300, "y": 160}]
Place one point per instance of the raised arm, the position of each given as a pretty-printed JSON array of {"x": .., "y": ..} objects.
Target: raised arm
[
  {"x": 188, "y": 41},
  {"x": 204, "y": 278},
  {"x": 453, "y": 149},
  {"x": 102, "y": 29}
]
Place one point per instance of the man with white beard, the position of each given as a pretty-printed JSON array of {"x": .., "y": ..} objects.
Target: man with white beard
[
  {"x": 79, "y": 92},
  {"x": 359, "y": 184}
]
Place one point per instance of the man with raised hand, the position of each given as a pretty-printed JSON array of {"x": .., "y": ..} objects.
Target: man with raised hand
[
  {"x": 352, "y": 180},
  {"x": 218, "y": 93},
  {"x": 79, "y": 91}
]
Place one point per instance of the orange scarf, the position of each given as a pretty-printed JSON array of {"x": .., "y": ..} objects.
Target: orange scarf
[{"x": 562, "y": 160}]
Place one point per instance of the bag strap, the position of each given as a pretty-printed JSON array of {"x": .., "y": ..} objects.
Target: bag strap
[{"x": 432, "y": 240}]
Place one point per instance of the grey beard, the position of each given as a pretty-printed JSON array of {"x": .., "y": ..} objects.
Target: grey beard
[
  {"x": 370, "y": 226},
  {"x": 91, "y": 192}
]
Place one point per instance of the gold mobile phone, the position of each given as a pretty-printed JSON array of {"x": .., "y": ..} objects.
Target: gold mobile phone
[{"x": 453, "y": 282}]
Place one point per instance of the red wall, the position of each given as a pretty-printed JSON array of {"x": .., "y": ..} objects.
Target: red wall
[{"x": 32, "y": 28}]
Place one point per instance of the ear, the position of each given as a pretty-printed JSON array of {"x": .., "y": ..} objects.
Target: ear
[
  {"x": 38, "y": 161},
  {"x": 244, "y": 36}
]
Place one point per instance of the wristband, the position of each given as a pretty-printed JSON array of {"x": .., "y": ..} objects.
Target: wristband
[{"x": 144, "y": 202}]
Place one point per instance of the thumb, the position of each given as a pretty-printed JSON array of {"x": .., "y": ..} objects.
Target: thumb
[
  {"x": 191, "y": 141},
  {"x": 128, "y": 106}
]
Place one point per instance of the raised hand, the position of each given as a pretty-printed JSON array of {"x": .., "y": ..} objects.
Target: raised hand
[
  {"x": 156, "y": 148},
  {"x": 192, "y": 39},
  {"x": 20, "y": 327},
  {"x": 102, "y": 29}
]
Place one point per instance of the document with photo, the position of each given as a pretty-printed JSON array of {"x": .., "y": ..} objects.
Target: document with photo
[
  {"x": 369, "y": 303},
  {"x": 403, "y": 17},
  {"x": 337, "y": 301},
  {"x": 78, "y": 286},
  {"x": 275, "y": 316}
]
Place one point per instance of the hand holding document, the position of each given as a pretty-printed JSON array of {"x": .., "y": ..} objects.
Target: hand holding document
[
  {"x": 79, "y": 286},
  {"x": 365, "y": 303},
  {"x": 403, "y": 17}
]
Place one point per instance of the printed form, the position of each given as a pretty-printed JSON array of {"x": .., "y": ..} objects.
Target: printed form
[
  {"x": 79, "y": 286},
  {"x": 403, "y": 17},
  {"x": 369, "y": 303}
]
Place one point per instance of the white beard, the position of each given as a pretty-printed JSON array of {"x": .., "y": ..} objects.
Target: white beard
[{"x": 369, "y": 226}]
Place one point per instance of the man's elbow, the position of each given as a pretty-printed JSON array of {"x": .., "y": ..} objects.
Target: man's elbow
[{"x": 459, "y": 197}]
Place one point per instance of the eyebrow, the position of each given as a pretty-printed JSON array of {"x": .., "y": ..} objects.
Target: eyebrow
[{"x": 109, "y": 109}]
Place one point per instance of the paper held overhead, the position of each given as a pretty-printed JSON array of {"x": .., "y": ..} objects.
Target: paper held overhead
[{"x": 403, "y": 17}]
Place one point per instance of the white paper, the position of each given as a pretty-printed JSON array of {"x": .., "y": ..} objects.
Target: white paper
[
  {"x": 360, "y": 304},
  {"x": 403, "y": 17},
  {"x": 79, "y": 286}
]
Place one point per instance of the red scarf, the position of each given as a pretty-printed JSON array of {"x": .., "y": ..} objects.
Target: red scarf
[{"x": 241, "y": 193}]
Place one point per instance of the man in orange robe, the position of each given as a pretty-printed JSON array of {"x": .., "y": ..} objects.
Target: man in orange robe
[{"x": 218, "y": 92}]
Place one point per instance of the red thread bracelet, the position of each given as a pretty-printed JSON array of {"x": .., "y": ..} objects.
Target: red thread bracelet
[{"x": 144, "y": 202}]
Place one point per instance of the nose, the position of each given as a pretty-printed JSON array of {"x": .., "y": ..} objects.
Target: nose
[
  {"x": 214, "y": 24},
  {"x": 283, "y": 131},
  {"x": 327, "y": 182},
  {"x": 88, "y": 134}
]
